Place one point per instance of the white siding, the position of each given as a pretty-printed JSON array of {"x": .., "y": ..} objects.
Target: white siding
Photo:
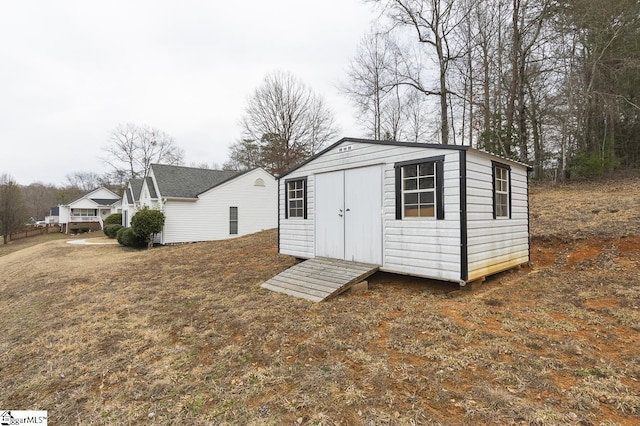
[
  {"x": 427, "y": 247},
  {"x": 296, "y": 234},
  {"x": 207, "y": 218},
  {"x": 495, "y": 244}
]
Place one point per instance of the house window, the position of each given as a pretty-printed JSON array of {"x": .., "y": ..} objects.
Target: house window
[
  {"x": 501, "y": 190},
  {"x": 296, "y": 198},
  {"x": 233, "y": 220},
  {"x": 83, "y": 212},
  {"x": 419, "y": 188}
]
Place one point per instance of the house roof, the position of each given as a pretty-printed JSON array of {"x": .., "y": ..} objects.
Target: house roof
[
  {"x": 127, "y": 192},
  {"x": 187, "y": 182},
  {"x": 151, "y": 187},
  {"x": 397, "y": 143},
  {"x": 105, "y": 201},
  {"x": 136, "y": 187},
  {"x": 87, "y": 195}
]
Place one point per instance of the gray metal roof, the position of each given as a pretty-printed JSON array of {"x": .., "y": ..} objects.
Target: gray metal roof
[{"x": 188, "y": 182}]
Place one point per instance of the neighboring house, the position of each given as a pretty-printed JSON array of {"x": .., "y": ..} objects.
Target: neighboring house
[
  {"x": 54, "y": 216},
  {"x": 204, "y": 205},
  {"x": 131, "y": 200},
  {"x": 452, "y": 213},
  {"x": 88, "y": 211}
]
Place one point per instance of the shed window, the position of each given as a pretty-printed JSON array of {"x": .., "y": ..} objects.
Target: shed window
[
  {"x": 419, "y": 188},
  {"x": 233, "y": 220},
  {"x": 296, "y": 198},
  {"x": 501, "y": 190}
]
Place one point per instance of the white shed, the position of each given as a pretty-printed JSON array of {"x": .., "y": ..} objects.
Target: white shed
[{"x": 452, "y": 213}]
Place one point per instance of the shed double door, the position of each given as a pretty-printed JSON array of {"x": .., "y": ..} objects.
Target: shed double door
[{"x": 348, "y": 214}]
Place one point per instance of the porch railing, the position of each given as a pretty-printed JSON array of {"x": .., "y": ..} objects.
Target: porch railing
[{"x": 84, "y": 219}]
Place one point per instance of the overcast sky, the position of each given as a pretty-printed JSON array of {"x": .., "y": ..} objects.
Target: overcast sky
[{"x": 71, "y": 71}]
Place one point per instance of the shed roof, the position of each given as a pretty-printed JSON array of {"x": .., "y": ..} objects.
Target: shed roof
[
  {"x": 397, "y": 143},
  {"x": 188, "y": 182}
]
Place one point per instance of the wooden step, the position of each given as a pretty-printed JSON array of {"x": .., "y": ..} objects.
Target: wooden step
[{"x": 320, "y": 278}]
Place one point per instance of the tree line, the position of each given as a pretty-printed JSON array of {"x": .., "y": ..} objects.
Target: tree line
[{"x": 551, "y": 83}]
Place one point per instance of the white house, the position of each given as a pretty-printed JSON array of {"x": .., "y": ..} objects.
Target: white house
[
  {"x": 204, "y": 205},
  {"x": 131, "y": 200},
  {"x": 452, "y": 213},
  {"x": 54, "y": 216},
  {"x": 88, "y": 211}
]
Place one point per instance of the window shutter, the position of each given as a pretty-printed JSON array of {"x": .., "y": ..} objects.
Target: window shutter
[
  {"x": 304, "y": 191},
  {"x": 493, "y": 189},
  {"x": 440, "y": 189},
  {"x": 509, "y": 177},
  {"x": 286, "y": 200},
  {"x": 398, "y": 193}
]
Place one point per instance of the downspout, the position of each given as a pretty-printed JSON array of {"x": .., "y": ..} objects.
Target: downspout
[{"x": 464, "y": 257}]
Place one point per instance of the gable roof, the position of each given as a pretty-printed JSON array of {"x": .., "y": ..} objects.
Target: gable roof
[
  {"x": 187, "y": 182},
  {"x": 151, "y": 187},
  {"x": 87, "y": 195},
  {"x": 105, "y": 201},
  {"x": 136, "y": 187},
  {"x": 397, "y": 143}
]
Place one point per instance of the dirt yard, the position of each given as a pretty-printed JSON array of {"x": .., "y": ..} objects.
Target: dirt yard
[{"x": 184, "y": 334}]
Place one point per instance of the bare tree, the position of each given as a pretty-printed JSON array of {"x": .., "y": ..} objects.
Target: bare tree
[
  {"x": 84, "y": 181},
  {"x": 433, "y": 22},
  {"x": 369, "y": 79},
  {"x": 132, "y": 149},
  {"x": 284, "y": 122},
  {"x": 39, "y": 198},
  {"x": 12, "y": 209}
]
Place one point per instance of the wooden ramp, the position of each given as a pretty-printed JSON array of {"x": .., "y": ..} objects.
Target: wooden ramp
[{"x": 320, "y": 278}]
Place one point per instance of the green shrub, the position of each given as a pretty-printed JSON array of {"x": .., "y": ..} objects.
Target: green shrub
[
  {"x": 111, "y": 230},
  {"x": 146, "y": 223},
  {"x": 127, "y": 237},
  {"x": 113, "y": 219}
]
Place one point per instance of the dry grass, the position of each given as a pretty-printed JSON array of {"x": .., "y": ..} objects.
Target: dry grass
[
  {"x": 104, "y": 335},
  {"x": 23, "y": 243}
]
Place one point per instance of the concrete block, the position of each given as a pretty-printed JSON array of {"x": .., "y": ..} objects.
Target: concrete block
[{"x": 360, "y": 287}]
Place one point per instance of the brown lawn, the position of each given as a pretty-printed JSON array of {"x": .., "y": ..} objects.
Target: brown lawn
[{"x": 106, "y": 335}]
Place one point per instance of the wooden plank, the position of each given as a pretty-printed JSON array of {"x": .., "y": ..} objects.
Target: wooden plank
[
  {"x": 332, "y": 268},
  {"x": 304, "y": 272},
  {"x": 320, "y": 278},
  {"x": 293, "y": 293},
  {"x": 315, "y": 285},
  {"x": 344, "y": 263},
  {"x": 322, "y": 273},
  {"x": 302, "y": 289},
  {"x": 335, "y": 269}
]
